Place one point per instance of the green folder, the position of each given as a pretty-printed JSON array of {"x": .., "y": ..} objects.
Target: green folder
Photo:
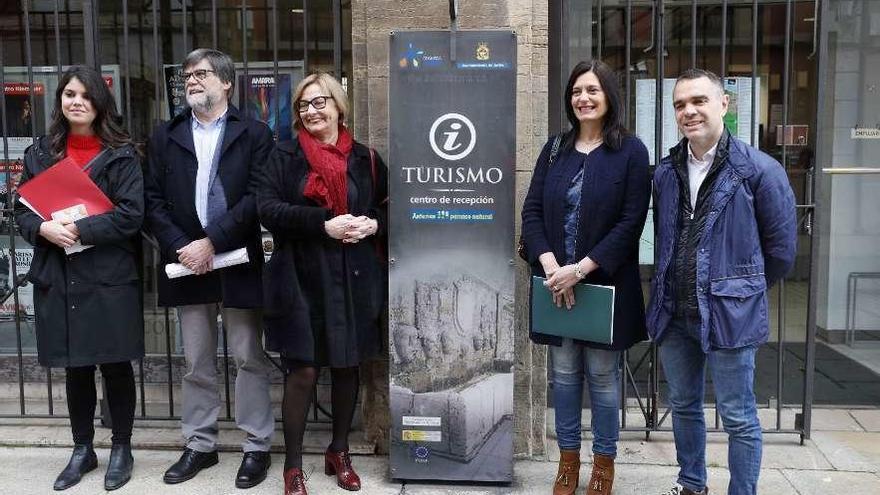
[{"x": 591, "y": 318}]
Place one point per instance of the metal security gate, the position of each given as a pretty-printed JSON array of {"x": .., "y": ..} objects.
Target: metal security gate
[
  {"x": 649, "y": 43},
  {"x": 137, "y": 45}
]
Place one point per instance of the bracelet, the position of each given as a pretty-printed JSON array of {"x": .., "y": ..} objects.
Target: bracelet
[{"x": 577, "y": 271}]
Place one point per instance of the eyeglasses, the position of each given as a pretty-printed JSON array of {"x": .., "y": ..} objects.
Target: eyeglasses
[
  {"x": 317, "y": 102},
  {"x": 200, "y": 74}
]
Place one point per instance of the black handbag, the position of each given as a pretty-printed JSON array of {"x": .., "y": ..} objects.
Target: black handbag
[{"x": 554, "y": 150}]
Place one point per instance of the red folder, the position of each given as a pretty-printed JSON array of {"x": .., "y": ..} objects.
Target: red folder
[{"x": 63, "y": 185}]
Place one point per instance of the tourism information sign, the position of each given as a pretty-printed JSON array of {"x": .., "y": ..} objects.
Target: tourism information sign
[{"x": 452, "y": 104}]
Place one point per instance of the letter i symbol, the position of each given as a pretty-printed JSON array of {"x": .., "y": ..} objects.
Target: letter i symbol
[{"x": 450, "y": 144}]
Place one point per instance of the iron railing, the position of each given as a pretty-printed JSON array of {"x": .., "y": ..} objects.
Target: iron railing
[
  {"x": 696, "y": 40},
  {"x": 142, "y": 37}
]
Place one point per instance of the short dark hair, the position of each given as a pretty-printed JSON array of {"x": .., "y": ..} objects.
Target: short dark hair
[
  {"x": 613, "y": 129},
  {"x": 107, "y": 124},
  {"x": 691, "y": 74},
  {"x": 221, "y": 64}
]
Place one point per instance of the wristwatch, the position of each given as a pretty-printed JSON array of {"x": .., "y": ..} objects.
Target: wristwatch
[{"x": 577, "y": 271}]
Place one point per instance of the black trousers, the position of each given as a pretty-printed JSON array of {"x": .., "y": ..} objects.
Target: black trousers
[{"x": 82, "y": 399}]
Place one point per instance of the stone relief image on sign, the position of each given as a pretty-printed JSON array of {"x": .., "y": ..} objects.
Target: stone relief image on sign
[{"x": 452, "y": 351}]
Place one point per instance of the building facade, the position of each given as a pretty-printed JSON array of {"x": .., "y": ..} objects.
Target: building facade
[{"x": 803, "y": 77}]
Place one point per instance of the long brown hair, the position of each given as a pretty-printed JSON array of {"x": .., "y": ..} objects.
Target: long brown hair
[{"x": 107, "y": 124}]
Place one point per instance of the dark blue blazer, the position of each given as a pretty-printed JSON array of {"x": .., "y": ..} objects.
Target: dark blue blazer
[
  {"x": 614, "y": 203},
  {"x": 169, "y": 187}
]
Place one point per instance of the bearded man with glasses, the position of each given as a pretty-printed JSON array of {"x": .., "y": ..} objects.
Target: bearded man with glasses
[{"x": 200, "y": 199}]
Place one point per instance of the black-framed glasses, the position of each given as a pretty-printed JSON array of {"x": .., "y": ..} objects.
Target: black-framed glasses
[
  {"x": 317, "y": 102},
  {"x": 199, "y": 74}
]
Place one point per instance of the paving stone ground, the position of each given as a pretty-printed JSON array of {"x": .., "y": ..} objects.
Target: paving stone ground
[{"x": 839, "y": 458}]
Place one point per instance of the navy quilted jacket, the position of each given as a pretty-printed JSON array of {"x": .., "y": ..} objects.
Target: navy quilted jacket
[{"x": 747, "y": 244}]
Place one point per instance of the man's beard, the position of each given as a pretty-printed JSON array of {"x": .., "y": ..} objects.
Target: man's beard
[{"x": 203, "y": 105}]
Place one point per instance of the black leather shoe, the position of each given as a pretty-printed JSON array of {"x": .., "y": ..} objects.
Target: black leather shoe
[
  {"x": 189, "y": 465},
  {"x": 253, "y": 469},
  {"x": 82, "y": 460},
  {"x": 119, "y": 467}
]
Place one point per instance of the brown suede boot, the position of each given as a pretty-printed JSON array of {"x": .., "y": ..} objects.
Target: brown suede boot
[
  {"x": 603, "y": 475},
  {"x": 567, "y": 474}
]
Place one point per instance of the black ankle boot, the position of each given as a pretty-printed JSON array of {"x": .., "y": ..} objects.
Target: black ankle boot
[
  {"x": 119, "y": 467},
  {"x": 82, "y": 460}
]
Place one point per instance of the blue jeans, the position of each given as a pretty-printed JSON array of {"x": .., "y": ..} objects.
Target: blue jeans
[
  {"x": 571, "y": 362},
  {"x": 733, "y": 375}
]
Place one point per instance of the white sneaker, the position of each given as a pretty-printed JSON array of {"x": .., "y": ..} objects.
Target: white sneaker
[{"x": 680, "y": 490}]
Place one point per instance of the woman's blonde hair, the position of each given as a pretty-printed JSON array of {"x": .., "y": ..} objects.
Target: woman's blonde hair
[{"x": 328, "y": 84}]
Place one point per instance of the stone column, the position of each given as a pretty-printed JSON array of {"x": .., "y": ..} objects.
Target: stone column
[{"x": 372, "y": 21}]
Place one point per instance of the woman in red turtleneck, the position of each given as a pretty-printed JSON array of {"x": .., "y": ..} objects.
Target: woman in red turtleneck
[{"x": 87, "y": 303}]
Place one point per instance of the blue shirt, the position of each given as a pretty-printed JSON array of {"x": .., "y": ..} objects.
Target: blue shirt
[
  {"x": 206, "y": 137},
  {"x": 573, "y": 208}
]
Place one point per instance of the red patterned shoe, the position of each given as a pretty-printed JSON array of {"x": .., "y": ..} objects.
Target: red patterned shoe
[
  {"x": 294, "y": 482},
  {"x": 339, "y": 463}
]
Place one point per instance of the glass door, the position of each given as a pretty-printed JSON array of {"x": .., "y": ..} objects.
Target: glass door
[{"x": 845, "y": 314}]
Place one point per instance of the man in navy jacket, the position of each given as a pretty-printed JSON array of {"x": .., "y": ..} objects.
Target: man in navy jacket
[
  {"x": 725, "y": 222},
  {"x": 200, "y": 199}
]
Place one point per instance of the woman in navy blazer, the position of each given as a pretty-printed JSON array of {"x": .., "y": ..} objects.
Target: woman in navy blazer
[{"x": 581, "y": 222}]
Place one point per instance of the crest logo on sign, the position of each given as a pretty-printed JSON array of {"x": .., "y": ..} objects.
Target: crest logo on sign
[
  {"x": 482, "y": 52},
  {"x": 452, "y": 136}
]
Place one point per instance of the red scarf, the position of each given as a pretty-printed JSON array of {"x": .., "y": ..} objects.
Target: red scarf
[{"x": 327, "y": 183}]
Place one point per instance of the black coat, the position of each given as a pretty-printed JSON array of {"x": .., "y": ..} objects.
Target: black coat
[
  {"x": 88, "y": 305},
  {"x": 170, "y": 184},
  {"x": 323, "y": 298},
  {"x": 614, "y": 203}
]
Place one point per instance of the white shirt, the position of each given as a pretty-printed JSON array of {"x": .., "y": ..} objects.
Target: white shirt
[
  {"x": 697, "y": 170},
  {"x": 206, "y": 137}
]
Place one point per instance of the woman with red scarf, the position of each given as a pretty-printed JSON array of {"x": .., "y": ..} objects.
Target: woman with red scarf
[{"x": 323, "y": 197}]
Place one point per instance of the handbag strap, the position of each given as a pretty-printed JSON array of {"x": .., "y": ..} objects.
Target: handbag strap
[
  {"x": 373, "y": 166},
  {"x": 94, "y": 160},
  {"x": 554, "y": 150},
  {"x": 373, "y": 172},
  {"x": 380, "y": 249}
]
